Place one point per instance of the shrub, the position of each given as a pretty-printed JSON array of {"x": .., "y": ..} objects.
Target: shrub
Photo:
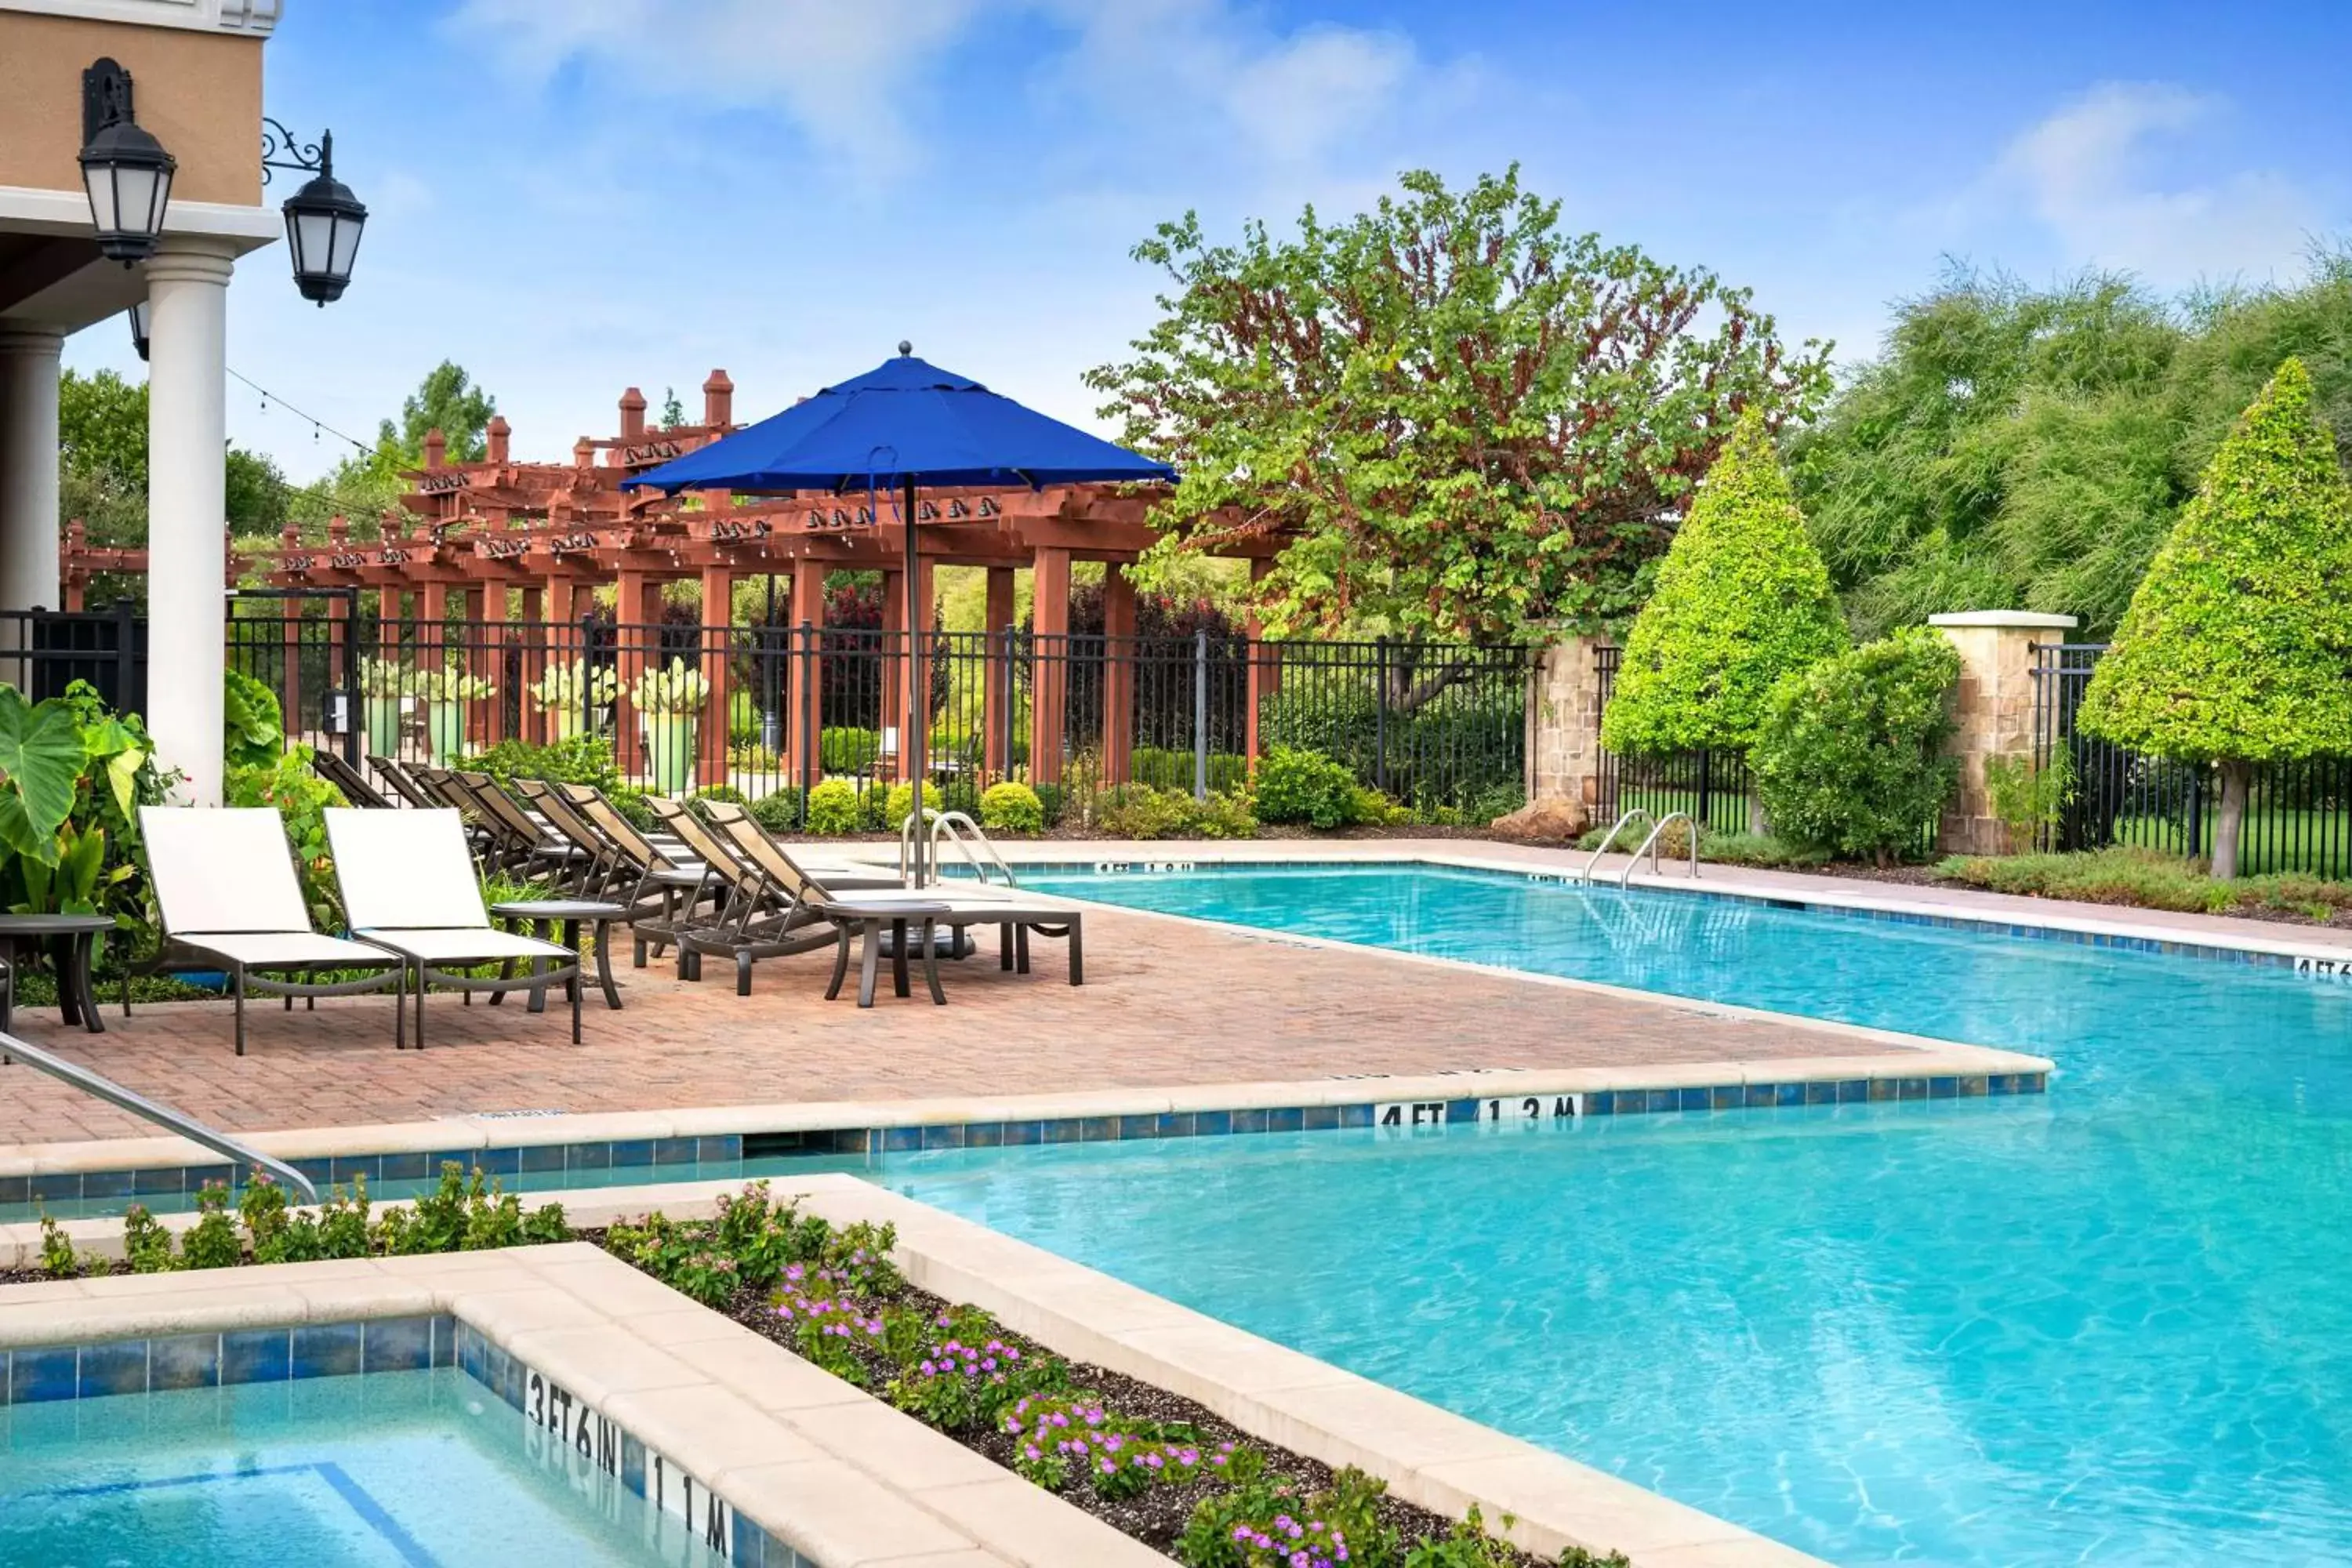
[
  {"x": 1138, "y": 811},
  {"x": 1369, "y": 807},
  {"x": 779, "y": 811},
  {"x": 846, "y": 749},
  {"x": 1012, "y": 808},
  {"x": 301, "y": 797},
  {"x": 2029, "y": 799},
  {"x": 2235, "y": 647},
  {"x": 253, "y": 726},
  {"x": 1850, "y": 759},
  {"x": 956, "y": 795},
  {"x": 1305, "y": 787},
  {"x": 834, "y": 809},
  {"x": 2147, "y": 879},
  {"x": 726, "y": 793},
  {"x": 872, "y": 804},
  {"x": 1052, "y": 801},
  {"x": 1742, "y": 600},
  {"x": 1165, "y": 768},
  {"x": 1222, "y": 816},
  {"x": 577, "y": 759}
]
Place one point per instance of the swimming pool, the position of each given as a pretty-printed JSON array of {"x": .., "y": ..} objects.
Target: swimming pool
[
  {"x": 2111, "y": 1325},
  {"x": 398, "y": 1470}
]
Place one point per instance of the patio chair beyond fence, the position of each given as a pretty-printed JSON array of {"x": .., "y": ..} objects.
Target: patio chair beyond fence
[
  {"x": 409, "y": 887},
  {"x": 230, "y": 898},
  {"x": 349, "y": 781}
]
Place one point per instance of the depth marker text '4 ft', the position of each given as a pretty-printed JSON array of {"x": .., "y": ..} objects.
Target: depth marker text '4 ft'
[{"x": 1410, "y": 1113}]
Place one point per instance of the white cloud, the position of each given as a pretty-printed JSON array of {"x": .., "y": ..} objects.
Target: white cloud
[
  {"x": 841, "y": 69},
  {"x": 2093, "y": 174}
]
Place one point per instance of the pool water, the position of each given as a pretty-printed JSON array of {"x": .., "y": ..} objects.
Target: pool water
[
  {"x": 2109, "y": 1325},
  {"x": 401, "y": 1469}
]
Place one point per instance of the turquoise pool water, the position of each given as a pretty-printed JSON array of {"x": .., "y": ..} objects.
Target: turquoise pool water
[
  {"x": 2109, "y": 1325},
  {"x": 404, "y": 1470}
]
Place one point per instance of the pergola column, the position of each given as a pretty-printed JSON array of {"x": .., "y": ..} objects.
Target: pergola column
[
  {"x": 637, "y": 615},
  {"x": 1119, "y": 674},
  {"x": 996, "y": 704},
  {"x": 1049, "y": 679},
  {"x": 718, "y": 647},
  {"x": 534, "y": 661},
  {"x": 892, "y": 666},
  {"x": 804, "y": 723},
  {"x": 489, "y": 658},
  {"x": 29, "y": 468},
  {"x": 187, "y": 429},
  {"x": 1264, "y": 668}
]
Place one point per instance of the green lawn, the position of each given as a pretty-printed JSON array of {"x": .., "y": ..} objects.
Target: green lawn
[{"x": 2319, "y": 842}]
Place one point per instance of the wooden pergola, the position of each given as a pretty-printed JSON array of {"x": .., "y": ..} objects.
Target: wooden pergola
[{"x": 502, "y": 541}]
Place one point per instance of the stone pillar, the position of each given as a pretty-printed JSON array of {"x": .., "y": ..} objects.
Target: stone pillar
[
  {"x": 187, "y": 429},
  {"x": 1564, "y": 724},
  {"x": 1993, "y": 706},
  {"x": 29, "y": 468}
]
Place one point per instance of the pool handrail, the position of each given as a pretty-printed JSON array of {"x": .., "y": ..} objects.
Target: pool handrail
[
  {"x": 1650, "y": 848},
  {"x": 1611, "y": 837},
  {"x": 12, "y": 1048},
  {"x": 957, "y": 828}
]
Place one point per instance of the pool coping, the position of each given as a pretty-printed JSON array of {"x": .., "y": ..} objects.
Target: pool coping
[
  {"x": 839, "y": 1477},
  {"x": 1719, "y": 879}
]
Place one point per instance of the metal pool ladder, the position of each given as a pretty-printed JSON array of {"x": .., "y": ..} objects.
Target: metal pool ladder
[
  {"x": 1611, "y": 837},
  {"x": 163, "y": 1116},
  {"x": 1650, "y": 848},
  {"x": 958, "y": 829}
]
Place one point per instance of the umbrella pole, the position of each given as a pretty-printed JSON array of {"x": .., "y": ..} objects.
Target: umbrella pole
[{"x": 919, "y": 704}]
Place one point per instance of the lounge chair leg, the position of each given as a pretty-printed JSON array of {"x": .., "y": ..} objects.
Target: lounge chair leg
[
  {"x": 931, "y": 964},
  {"x": 420, "y": 1006},
  {"x": 604, "y": 966},
  {"x": 840, "y": 962},
  {"x": 870, "y": 963},
  {"x": 400, "y": 1007},
  {"x": 742, "y": 971},
  {"x": 1020, "y": 949},
  {"x": 1078, "y": 952},
  {"x": 236, "y": 990},
  {"x": 1004, "y": 949},
  {"x": 576, "y": 989}
]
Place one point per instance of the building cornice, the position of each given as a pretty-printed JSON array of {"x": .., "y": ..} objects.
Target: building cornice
[{"x": 252, "y": 18}]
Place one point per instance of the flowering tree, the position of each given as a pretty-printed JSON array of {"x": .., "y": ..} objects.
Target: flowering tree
[{"x": 1453, "y": 419}]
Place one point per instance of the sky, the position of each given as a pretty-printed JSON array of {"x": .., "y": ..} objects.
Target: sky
[{"x": 572, "y": 196}]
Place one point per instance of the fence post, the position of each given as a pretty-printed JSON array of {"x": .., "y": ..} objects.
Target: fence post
[
  {"x": 1201, "y": 715},
  {"x": 1381, "y": 712},
  {"x": 1010, "y": 692},
  {"x": 1705, "y": 817},
  {"x": 127, "y": 697},
  {"x": 803, "y": 684}
]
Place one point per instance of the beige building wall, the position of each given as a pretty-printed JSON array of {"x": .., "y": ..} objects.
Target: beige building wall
[{"x": 198, "y": 93}]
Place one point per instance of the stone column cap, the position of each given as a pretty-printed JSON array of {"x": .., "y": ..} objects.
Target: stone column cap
[{"x": 2033, "y": 620}]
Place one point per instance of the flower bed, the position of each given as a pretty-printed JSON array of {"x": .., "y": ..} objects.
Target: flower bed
[{"x": 1156, "y": 1467}]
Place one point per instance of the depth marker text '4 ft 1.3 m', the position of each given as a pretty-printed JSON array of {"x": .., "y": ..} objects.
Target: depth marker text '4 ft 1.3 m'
[{"x": 1410, "y": 1113}]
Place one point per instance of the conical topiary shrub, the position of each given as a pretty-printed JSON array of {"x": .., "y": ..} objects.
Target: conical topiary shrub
[
  {"x": 1742, "y": 599},
  {"x": 2237, "y": 648}
]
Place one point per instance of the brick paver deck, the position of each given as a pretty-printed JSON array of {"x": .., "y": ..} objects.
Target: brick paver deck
[{"x": 1165, "y": 1004}]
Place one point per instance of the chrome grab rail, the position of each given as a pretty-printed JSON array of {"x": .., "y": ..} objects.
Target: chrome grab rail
[
  {"x": 194, "y": 1131},
  {"x": 1650, "y": 848},
  {"x": 957, "y": 829},
  {"x": 1615, "y": 828}
]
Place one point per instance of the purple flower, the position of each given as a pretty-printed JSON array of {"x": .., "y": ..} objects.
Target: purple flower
[
  {"x": 1241, "y": 1533},
  {"x": 1298, "y": 1560}
]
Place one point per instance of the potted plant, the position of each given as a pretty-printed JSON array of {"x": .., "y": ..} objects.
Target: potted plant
[
  {"x": 445, "y": 694},
  {"x": 567, "y": 694},
  {"x": 668, "y": 701},
  {"x": 385, "y": 687}
]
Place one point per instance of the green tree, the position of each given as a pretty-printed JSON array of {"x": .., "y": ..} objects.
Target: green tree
[
  {"x": 2019, "y": 448},
  {"x": 2237, "y": 648},
  {"x": 447, "y": 401},
  {"x": 1453, "y": 419},
  {"x": 1742, "y": 599},
  {"x": 102, "y": 427},
  {"x": 673, "y": 412}
]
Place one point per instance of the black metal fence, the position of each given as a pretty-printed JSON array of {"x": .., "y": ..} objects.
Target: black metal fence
[
  {"x": 2298, "y": 814},
  {"x": 44, "y": 651},
  {"x": 765, "y": 709},
  {"x": 1713, "y": 787}
]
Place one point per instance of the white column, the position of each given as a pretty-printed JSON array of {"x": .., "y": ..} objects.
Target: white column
[
  {"x": 187, "y": 431},
  {"x": 28, "y": 468}
]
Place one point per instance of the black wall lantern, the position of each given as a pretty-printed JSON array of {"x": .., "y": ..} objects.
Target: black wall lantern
[
  {"x": 323, "y": 219},
  {"x": 140, "y": 315},
  {"x": 126, "y": 171}
]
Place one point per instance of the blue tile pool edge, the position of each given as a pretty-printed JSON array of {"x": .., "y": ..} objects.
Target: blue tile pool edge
[
  {"x": 870, "y": 1141},
  {"x": 45, "y": 1374}
]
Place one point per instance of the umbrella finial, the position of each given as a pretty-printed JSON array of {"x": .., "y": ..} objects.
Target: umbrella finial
[{"x": 906, "y": 349}]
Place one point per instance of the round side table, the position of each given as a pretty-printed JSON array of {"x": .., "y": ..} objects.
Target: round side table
[
  {"x": 72, "y": 938},
  {"x": 570, "y": 915}
]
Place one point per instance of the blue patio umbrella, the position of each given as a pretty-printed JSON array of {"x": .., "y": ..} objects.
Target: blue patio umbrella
[{"x": 901, "y": 425}]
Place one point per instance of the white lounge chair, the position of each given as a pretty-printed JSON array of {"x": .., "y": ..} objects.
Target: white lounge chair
[
  {"x": 226, "y": 887},
  {"x": 408, "y": 880}
]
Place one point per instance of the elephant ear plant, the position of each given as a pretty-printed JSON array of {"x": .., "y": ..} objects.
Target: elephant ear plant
[{"x": 73, "y": 776}]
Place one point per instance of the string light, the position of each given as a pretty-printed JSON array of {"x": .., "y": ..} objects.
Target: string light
[{"x": 317, "y": 424}]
